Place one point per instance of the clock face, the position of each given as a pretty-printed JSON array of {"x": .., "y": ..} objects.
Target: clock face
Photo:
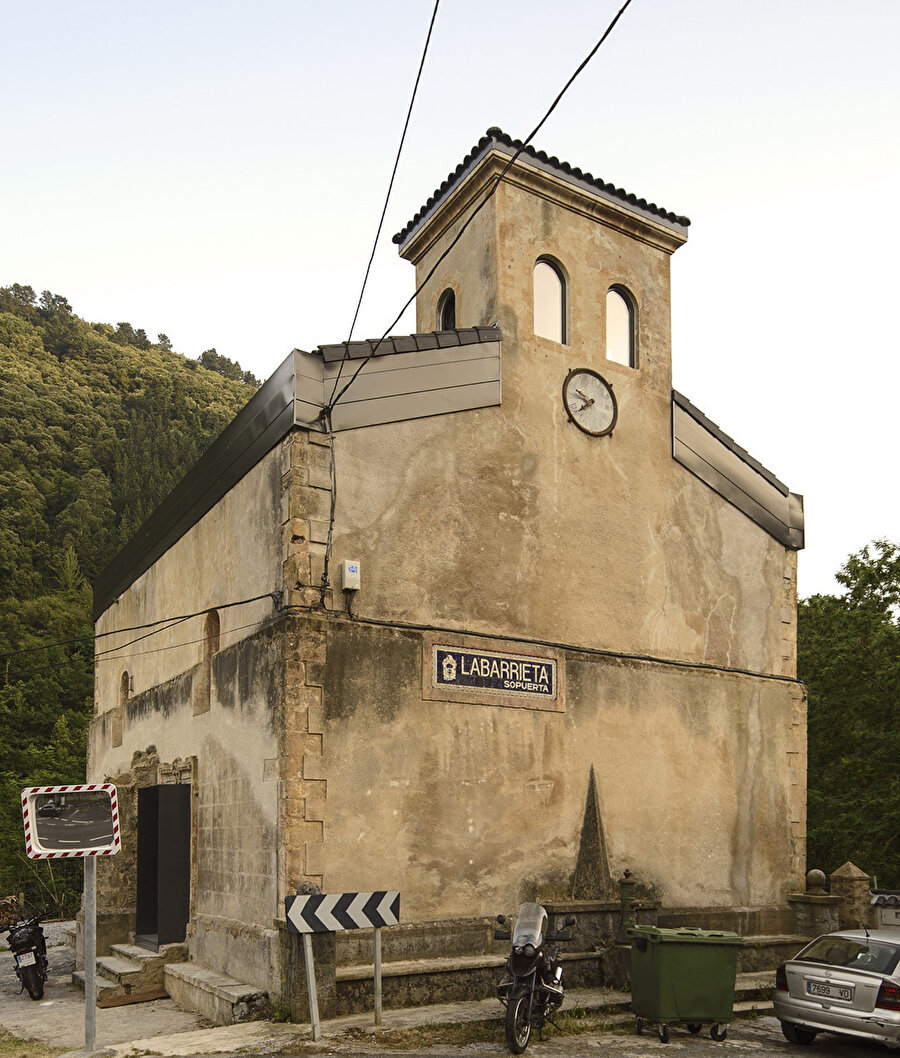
[{"x": 589, "y": 402}]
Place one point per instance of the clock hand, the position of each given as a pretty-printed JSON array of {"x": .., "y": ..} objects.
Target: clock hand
[{"x": 588, "y": 402}]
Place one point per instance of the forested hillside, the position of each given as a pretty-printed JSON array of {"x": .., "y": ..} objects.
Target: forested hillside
[{"x": 97, "y": 424}]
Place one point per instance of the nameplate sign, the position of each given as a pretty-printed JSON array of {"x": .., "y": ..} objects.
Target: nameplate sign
[{"x": 470, "y": 673}]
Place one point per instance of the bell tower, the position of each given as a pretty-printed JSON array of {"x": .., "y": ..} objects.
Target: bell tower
[{"x": 567, "y": 265}]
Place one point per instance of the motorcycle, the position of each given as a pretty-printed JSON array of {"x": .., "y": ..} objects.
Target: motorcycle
[
  {"x": 534, "y": 989},
  {"x": 29, "y": 947}
]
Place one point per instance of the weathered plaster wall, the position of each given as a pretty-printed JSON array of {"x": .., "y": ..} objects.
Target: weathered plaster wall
[
  {"x": 232, "y": 553},
  {"x": 235, "y": 778},
  {"x": 468, "y": 808},
  {"x": 510, "y": 520},
  {"x": 235, "y": 552}
]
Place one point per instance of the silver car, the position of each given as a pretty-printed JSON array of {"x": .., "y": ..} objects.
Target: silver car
[{"x": 846, "y": 982}]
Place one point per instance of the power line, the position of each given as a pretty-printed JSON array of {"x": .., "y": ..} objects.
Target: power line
[
  {"x": 389, "y": 190},
  {"x": 481, "y": 205},
  {"x": 168, "y": 621},
  {"x": 112, "y": 656},
  {"x": 100, "y": 654},
  {"x": 326, "y": 412}
]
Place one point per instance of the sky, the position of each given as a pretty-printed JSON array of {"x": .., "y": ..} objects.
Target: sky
[{"x": 215, "y": 171}]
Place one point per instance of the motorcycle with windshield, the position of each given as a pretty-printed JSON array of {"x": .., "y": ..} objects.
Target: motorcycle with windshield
[
  {"x": 29, "y": 948},
  {"x": 533, "y": 989}
]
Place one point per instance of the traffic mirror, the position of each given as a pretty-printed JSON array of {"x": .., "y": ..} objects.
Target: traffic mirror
[{"x": 63, "y": 821}]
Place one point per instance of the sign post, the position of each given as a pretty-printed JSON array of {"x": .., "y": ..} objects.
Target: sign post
[
  {"x": 311, "y": 990},
  {"x": 68, "y": 821},
  {"x": 90, "y": 954},
  {"x": 331, "y": 912},
  {"x": 377, "y": 933}
]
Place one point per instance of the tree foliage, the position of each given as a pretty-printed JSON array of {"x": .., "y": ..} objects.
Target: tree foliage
[
  {"x": 97, "y": 425},
  {"x": 849, "y": 658}
]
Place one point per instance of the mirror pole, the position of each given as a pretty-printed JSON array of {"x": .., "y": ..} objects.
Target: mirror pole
[{"x": 90, "y": 953}]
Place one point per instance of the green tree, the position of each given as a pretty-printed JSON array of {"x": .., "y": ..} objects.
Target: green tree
[
  {"x": 97, "y": 425},
  {"x": 849, "y": 658}
]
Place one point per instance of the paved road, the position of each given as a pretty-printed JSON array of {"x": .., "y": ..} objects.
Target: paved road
[
  {"x": 754, "y": 1038},
  {"x": 161, "y": 1028}
]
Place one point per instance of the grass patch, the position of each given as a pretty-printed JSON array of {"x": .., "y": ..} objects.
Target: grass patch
[
  {"x": 574, "y": 1022},
  {"x": 456, "y": 1035},
  {"x": 12, "y": 1047}
]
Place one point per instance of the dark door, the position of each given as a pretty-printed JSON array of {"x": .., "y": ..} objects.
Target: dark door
[{"x": 163, "y": 864}]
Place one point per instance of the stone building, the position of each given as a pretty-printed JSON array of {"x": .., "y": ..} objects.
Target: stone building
[{"x": 575, "y": 591}]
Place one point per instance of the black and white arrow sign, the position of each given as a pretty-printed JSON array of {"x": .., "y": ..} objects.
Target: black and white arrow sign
[{"x": 330, "y": 912}]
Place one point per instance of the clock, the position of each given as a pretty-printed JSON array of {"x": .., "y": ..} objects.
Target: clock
[{"x": 589, "y": 402}]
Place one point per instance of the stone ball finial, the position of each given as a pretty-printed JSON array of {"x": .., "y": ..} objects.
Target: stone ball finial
[{"x": 815, "y": 882}]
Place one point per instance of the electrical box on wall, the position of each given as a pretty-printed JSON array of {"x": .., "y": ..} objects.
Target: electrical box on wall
[{"x": 350, "y": 575}]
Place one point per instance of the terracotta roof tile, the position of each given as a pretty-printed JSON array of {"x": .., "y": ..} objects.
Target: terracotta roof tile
[{"x": 497, "y": 137}]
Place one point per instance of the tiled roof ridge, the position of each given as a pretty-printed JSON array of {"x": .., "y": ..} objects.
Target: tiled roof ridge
[
  {"x": 408, "y": 343},
  {"x": 496, "y": 135}
]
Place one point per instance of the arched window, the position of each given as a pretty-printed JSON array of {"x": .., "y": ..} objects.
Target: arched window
[
  {"x": 550, "y": 301},
  {"x": 620, "y": 344},
  {"x": 446, "y": 313}
]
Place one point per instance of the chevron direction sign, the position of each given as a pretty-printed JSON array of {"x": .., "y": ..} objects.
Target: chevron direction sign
[{"x": 330, "y": 912}]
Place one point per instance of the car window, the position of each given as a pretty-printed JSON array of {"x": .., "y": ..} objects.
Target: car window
[{"x": 854, "y": 954}]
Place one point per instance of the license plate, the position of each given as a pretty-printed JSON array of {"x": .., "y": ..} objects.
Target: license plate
[
  {"x": 26, "y": 958},
  {"x": 828, "y": 991}
]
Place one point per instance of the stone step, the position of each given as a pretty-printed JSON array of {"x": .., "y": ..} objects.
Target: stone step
[
  {"x": 118, "y": 971},
  {"x": 105, "y": 988},
  {"x": 221, "y": 1000},
  {"x": 131, "y": 973},
  {"x": 424, "y": 982}
]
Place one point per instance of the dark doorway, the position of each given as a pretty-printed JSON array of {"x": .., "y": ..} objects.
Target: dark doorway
[{"x": 163, "y": 864}]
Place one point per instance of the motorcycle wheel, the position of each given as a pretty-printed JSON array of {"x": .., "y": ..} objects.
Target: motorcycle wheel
[
  {"x": 34, "y": 983},
  {"x": 518, "y": 1021}
]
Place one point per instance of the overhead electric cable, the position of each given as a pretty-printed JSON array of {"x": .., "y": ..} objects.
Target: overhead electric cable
[
  {"x": 111, "y": 656},
  {"x": 326, "y": 414},
  {"x": 482, "y": 204},
  {"x": 146, "y": 635},
  {"x": 387, "y": 197},
  {"x": 168, "y": 621}
]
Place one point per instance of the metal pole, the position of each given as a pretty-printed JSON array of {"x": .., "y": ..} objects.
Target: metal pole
[
  {"x": 311, "y": 992},
  {"x": 90, "y": 953},
  {"x": 378, "y": 975}
]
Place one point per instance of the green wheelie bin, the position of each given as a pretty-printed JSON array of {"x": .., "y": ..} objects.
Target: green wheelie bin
[{"x": 683, "y": 976}]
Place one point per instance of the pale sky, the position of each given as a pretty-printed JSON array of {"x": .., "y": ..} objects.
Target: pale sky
[{"x": 215, "y": 171}]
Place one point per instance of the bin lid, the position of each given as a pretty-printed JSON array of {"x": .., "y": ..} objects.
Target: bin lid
[{"x": 684, "y": 935}]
